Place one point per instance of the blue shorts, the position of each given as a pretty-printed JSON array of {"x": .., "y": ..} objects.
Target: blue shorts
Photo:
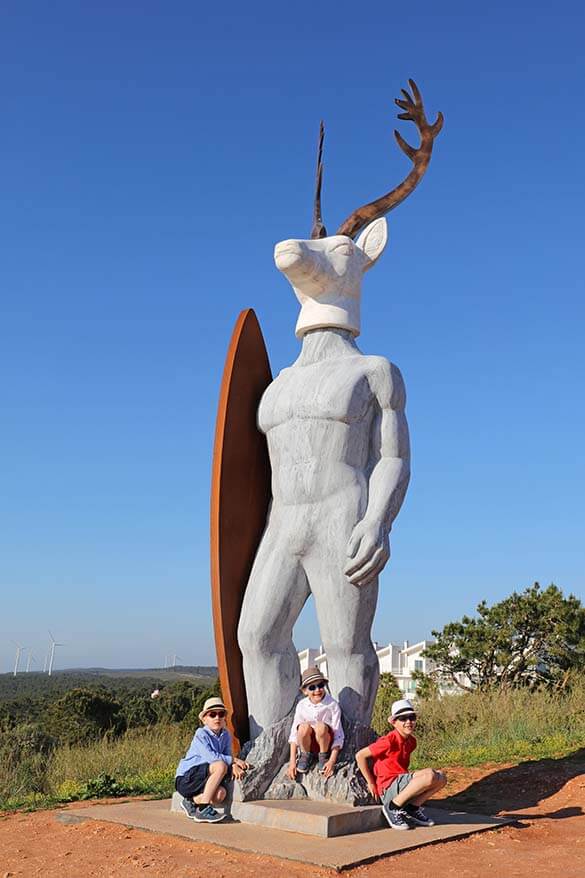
[
  {"x": 193, "y": 781},
  {"x": 397, "y": 786}
]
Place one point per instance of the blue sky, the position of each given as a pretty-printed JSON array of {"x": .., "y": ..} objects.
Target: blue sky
[{"x": 152, "y": 155}]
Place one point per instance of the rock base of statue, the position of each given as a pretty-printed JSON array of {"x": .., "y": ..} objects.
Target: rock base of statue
[
  {"x": 266, "y": 756},
  {"x": 268, "y": 779}
]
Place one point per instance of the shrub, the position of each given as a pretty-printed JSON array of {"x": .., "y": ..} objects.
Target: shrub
[
  {"x": 388, "y": 692},
  {"x": 24, "y": 741},
  {"x": 101, "y": 787},
  {"x": 139, "y": 711},
  {"x": 142, "y": 759},
  {"x": 24, "y": 753},
  {"x": 191, "y": 719},
  {"x": 176, "y": 701},
  {"x": 82, "y": 716}
]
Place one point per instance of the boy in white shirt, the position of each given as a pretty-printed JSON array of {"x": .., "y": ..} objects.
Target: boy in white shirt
[{"x": 316, "y": 727}]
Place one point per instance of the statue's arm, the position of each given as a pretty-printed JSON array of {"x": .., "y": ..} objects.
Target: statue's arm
[
  {"x": 391, "y": 445},
  {"x": 369, "y": 547}
]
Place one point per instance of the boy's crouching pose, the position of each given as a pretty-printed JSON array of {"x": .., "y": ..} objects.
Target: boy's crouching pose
[
  {"x": 202, "y": 775},
  {"x": 402, "y": 791},
  {"x": 316, "y": 729}
]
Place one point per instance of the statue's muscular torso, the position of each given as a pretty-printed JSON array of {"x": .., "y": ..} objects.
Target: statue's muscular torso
[{"x": 320, "y": 422}]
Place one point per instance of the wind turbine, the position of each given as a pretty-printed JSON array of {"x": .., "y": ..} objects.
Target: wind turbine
[
  {"x": 18, "y": 651},
  {"x": 52, "y": 655},
  {"x": 30, "y": 659}
]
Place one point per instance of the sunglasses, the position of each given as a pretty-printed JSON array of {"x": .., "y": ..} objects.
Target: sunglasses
[
  {"x": 216, "y": 713},
  {"x": 409, "y": 717},
  {"x": 314, "y": 686}
]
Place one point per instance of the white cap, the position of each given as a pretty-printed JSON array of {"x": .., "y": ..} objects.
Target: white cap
[{"x": 402, "y": 706}]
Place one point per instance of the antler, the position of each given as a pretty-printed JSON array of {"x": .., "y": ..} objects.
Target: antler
[
  {"x": 319, "y": 230},
  {"x": 414, "y": 112}
]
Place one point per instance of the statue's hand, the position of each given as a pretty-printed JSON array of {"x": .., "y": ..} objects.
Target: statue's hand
[{"x": 368, "y": 550}]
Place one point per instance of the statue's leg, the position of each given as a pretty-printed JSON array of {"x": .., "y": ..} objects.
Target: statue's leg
[
  {"x": 274, "y": 597},
  {"x": 345, "y": 614}
]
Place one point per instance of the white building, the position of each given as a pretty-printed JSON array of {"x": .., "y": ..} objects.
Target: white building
[
  {"x": 400, "y": 661},
  {"x": 313, "y": 658}
]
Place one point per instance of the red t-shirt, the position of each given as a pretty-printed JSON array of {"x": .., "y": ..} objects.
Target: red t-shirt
[{"x": 391, "y": 757}]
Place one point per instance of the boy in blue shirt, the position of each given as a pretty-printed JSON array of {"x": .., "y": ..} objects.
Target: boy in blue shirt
[{"x": 203, "y": 773}]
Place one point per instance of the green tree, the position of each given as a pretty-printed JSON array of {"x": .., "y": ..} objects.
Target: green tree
[
  {"x": 139, "y": 711},
  {"x": 83, "y": 715},
  {"x": 387, "y": 693},
  {"x": 191, "y": 720},
  {"x": 535, "y": 637},
  {"x": 426, "y": 686},
  {"x": 176, "y": 701}
]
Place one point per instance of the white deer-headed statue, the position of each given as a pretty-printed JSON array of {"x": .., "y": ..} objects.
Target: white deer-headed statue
[
  {"x": 326, "y": 271},
  {"x": 339, "y": 450}
]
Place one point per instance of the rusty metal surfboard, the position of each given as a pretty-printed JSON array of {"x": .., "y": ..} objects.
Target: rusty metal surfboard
[{"x": 240, "y": 496}]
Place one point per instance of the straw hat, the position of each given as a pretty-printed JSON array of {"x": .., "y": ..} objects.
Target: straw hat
[
  {"x": 312, "y": 675},
  {"x": 212, "y": 704},
  {"x": 402, "y": 706}
]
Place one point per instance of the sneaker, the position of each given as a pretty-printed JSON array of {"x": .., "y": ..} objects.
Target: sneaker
[
  {"x": 304, "y": 763},
  {"x": 207, "y": 814},
  {"x": 189, "y": 808},
  {"x": 323, "y": 760},
  {"x": 416, "y": 815},
  {"x": 396, "y": 817}
]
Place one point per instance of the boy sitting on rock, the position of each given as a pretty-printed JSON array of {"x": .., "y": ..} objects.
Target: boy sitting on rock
[
  {"x": 201, "y": 777},
  {"x": 402, "y": 791},
  {"x": 316, "y": 727}
]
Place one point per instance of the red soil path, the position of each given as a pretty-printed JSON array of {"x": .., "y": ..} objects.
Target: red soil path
[{"x": 547, "y": 799}]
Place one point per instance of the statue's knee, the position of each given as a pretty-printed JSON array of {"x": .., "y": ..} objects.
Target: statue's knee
[
  {"x": 346, "y": 648},
  {"x": 339, "y": 651},
  {"x": 253, "y": 636}
]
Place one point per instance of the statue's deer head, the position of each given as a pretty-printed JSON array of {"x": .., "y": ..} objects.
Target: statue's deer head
[{"x": 326, "y": 271}]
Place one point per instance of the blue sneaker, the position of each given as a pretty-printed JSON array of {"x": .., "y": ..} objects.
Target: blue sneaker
[
  {"x": 207, "y": 814},
  {"x": 396, "y": 817},
  {"x": 189, "y": 808},
  {"x": 305, "y": 762},
  {"x": 416, "y": 815}
]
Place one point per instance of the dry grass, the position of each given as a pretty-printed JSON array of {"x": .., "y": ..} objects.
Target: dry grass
[
  {"x": 501, "y": 726},
  {"x": 142, "y": 759},
  {"x": 468, "y": 729}
]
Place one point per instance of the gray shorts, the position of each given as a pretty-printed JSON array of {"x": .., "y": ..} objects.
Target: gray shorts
[{"x": 397, "y": 785}]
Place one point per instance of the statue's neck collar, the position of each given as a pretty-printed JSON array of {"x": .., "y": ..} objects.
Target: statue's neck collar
[{"x": 326, "y": 344}]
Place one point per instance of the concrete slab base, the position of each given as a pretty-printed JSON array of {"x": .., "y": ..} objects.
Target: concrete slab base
[
  {"x": 310, "y": 817},
  {"x": 337, "y": 853},
  {"x": 321, "y": 819}
]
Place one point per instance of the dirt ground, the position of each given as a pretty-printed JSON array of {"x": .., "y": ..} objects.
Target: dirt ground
[{"x": 547, "y": 799}]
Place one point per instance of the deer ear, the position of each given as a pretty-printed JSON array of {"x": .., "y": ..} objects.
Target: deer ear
[{"x": 373, "y": 240}]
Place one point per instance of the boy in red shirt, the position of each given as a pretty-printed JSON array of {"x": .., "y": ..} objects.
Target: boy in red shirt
[{"x": 402, "y": 791}]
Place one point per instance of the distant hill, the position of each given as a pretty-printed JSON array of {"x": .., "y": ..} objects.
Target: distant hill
[
  {"x": 37, "y": 685},
  {"x": 181, "y": 670}
]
